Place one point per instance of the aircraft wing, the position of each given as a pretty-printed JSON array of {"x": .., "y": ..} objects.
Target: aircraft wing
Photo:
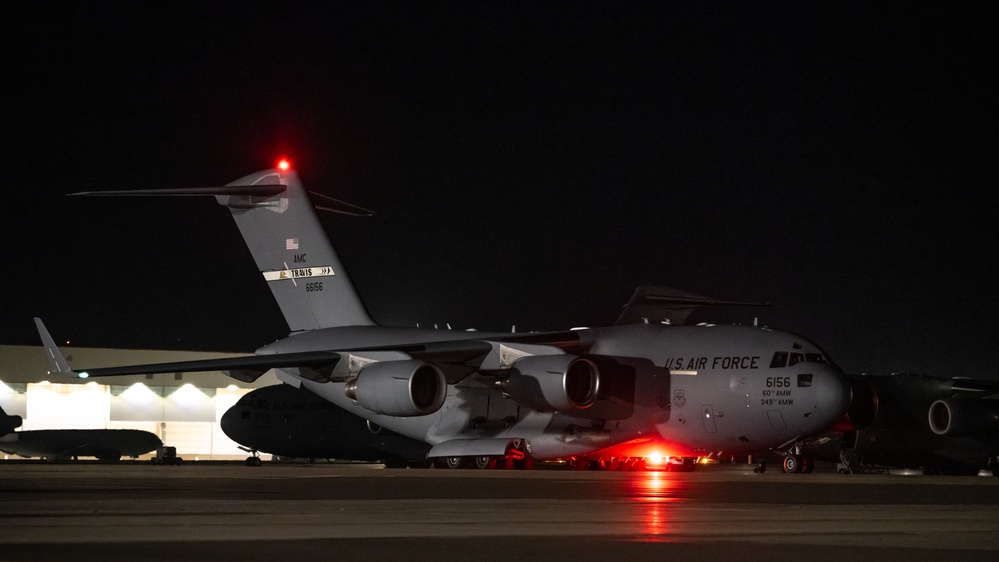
[
  {"x": 655, "y": 304},
  {"x": 466, "y": 355},
  {"x": 247, "y": 368},
  {"x": 979, "y": 388}
]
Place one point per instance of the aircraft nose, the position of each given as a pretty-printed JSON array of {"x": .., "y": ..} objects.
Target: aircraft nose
[
  {"x": 228, "y": 421},
  {"x": 231, "y": 424},
  {"x": 832, "y": 395}
]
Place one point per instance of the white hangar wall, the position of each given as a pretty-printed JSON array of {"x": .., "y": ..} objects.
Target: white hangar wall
[{"x": 183, "y": 409}]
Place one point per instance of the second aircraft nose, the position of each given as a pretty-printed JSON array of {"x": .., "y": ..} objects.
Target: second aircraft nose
[{"x": 832, "y": 397}]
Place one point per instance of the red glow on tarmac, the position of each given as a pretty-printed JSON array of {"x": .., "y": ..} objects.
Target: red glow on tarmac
[
  {"x": 284, "y": 165},
  {"x": 654, "y": 494},
  {"x": 655, "y": 451}
]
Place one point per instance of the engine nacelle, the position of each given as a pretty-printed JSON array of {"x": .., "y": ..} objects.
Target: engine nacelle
[
  {"x": 958, "y": 418},
  {"x": 553, "y": 382},
  {"x": 863, "y": 409},
  {"x": 399, "y": 388}
]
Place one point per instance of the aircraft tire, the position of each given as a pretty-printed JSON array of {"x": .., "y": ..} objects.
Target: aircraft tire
[
  {"x": 484, "y": 462},
  {"x": 454, "y": 462},
  {"x": 792, "y": 464}
]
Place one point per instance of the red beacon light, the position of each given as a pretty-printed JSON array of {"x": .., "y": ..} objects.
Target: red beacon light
[{"x": 284, "y": 165}]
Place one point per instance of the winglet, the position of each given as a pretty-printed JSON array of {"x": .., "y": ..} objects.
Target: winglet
[{"x": 57, "y": 363}]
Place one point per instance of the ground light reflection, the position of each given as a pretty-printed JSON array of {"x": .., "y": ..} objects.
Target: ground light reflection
[{"x": 655, "y": 495}]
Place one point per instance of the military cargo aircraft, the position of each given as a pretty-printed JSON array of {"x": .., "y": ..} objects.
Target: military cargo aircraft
[
  {"x": 292, "y": 422},
  {"x": 52, "y": 444},
  {"x": 490, "y": 398},
  {"x": 903, "y": 420}
]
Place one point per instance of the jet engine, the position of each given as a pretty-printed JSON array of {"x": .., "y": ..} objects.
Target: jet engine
[
  {"x": 553, "y": 382},
  {"x": 960, "y": 418},
  {"x": 399, "y": 388},
  {"x": 863, "y": 409}
]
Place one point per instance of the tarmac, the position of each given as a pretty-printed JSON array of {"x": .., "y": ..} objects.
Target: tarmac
[{"x": 212, "y": 511}]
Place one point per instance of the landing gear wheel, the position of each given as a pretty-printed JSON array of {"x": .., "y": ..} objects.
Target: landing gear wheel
[
  {"x": 808, "y": 464},
  {"x": 252, "y": 461},
  {"x": 792, "y": 464},
  {"x": 454, "y": 462},
  {"x": 483, "y": 462}
]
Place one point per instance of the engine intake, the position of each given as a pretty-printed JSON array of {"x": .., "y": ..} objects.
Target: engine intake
[
  {"x": 553, "y": 382},
  {"x": 959, "y": 418},
  {"x": 399, "y": 388},
  {"x": 863, "y": 409}
]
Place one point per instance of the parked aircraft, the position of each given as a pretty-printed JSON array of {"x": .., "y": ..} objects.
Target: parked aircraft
[
  {"x": 105, "y": 444},
  {"x": 489, "y": 397},
  {"x": 292, "y": 422},
  {"x": 904, "y": 420}
]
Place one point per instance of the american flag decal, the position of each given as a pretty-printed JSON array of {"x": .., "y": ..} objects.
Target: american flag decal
[{"x": 291, "y": 244}]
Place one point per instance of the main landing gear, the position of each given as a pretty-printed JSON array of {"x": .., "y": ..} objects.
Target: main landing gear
[
  {"x": 515, "y": 458},
  {"x": 483, "y": 462}
]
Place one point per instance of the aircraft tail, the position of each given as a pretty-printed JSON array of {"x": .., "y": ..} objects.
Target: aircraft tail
[
  {"x": 294, "y": 254},
  {"x": 8, "y": 423},
  {"x": 292, "y": 251}
]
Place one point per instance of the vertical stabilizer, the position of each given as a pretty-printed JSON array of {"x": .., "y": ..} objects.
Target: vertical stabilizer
[{"x": 294, "y": 254}]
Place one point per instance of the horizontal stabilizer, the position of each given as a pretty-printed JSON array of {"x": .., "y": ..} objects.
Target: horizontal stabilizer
[
  {"x": 264, "y": 190},
  {"x": 327, "y": 203}
]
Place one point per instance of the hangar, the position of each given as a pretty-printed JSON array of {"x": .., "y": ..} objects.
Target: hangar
[{"x": 183, "y": 409}]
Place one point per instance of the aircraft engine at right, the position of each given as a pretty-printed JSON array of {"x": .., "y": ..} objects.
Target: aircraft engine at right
[{"x": 939, "y": 425}]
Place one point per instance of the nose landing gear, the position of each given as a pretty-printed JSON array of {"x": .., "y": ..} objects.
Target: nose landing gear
[{"x": 796, "y": 462}]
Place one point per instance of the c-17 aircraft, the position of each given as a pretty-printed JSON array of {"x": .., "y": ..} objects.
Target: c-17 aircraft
[
  {"x": 905, "y": 420},
  {"x": 105, "y": 444},
  {"x": 481, "y": 398},
  {"x": 294, "y": 423}
]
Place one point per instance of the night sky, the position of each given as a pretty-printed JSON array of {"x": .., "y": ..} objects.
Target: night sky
[{"x": 528, "y": 165}]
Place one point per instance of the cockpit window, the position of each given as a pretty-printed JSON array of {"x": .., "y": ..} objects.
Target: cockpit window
[
  {"x": 779, "y": 360},
  {"x": 796, "y": 358},
  {"x": 814, "y": 358}
]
